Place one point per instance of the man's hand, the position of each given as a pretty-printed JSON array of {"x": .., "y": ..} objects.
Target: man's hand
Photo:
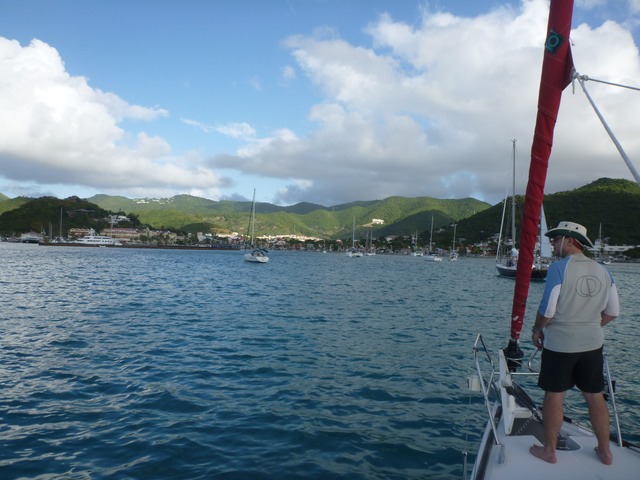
[{"x": 538, "y": 339}]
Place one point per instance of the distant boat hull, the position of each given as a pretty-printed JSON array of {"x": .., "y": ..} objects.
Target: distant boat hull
[
  {"x": 509, "y": 271},
  {"x": 98, "y": 241},
  {"x": 31, "y": 237},
  {"x": 257, "y": 256}
]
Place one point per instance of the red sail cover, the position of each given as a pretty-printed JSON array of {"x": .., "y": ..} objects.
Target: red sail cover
[{"x": 557, "y": 67}]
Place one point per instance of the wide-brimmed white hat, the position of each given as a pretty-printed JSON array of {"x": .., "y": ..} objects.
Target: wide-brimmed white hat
[{"x": 570, "y": 229}]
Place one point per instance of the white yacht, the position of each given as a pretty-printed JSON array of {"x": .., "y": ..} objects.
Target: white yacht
[{"x": 97, "y": 240}]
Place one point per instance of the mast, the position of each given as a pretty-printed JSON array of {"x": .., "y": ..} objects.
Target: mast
[
  {"x": 513, "y": 200},
  {"x": 353, "y": 234},
  {"x": 253, "y": 216},
  {"x": 453, "y": 245},
  {"x": 600, "y": 248},
  {"x": 431, "y": 234},
  {"x": 557, "y": 68},
  {"x": 251, "y": 225}
]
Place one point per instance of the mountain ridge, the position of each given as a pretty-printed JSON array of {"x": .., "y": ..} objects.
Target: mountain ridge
[{"x": 604, "y": 201}]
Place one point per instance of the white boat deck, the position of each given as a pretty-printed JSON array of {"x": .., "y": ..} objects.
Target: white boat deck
[
  {"x": 580, "y": 464},
  {"x": 515, "y": 419}
]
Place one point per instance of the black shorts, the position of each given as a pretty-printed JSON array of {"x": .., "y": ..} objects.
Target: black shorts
[{"x": 560, "y": 372}]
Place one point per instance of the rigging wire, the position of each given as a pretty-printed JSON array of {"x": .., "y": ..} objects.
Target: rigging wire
[
  {"x": 581, "y": 80},
  {"x": 587, "y": 78}
]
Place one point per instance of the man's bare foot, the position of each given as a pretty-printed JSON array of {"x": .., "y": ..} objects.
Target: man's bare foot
[
  {"x": 605, "y": 457},
  {"x": 541, "y": 453}
]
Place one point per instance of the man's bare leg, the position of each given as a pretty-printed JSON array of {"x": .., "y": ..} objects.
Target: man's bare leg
[
  {"x": 552, "y": 415},
  {"x": 599, "y": 416}
]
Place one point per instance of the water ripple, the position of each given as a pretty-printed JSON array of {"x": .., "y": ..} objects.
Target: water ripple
[{"x": 196, "y": 365}]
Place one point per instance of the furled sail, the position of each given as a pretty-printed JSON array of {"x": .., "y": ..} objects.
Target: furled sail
[{"x": 557, "y": 68}]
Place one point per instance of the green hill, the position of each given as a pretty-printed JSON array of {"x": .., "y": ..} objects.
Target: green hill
[
  {"x": 44, "y": 214},
  {"x": 7, "y": 204},
  {"x": 402, "y": 216},
  {"x": 614, "y": 203}
]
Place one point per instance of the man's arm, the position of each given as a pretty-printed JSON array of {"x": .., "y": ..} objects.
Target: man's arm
[
  {"x": 612, "y": 310},
  {"x": 537, "y": 335}
]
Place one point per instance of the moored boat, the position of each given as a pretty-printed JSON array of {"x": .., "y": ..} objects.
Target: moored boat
[
  {"x": 253, "y": 253},
  {"x": 354, "y": 252},
  {"x": 507, "y": 255},
  {"x": 97, "y": 240},
  {"x": 599, "y": 248},
  {"x": 30, "y": 237},
  {"x": 432, "y": 256},
  {"x": 453, "y": 255},
  {"x": 257, "y": 255}
]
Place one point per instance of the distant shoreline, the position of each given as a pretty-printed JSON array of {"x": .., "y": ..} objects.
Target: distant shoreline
[{"x": 151, "y": 247}]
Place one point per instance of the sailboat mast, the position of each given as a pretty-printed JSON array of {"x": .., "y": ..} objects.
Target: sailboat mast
[
  {"x": 453, "y": 245},
  {"x": 353, "y": 235},
  {"x": 513, "y": 196},
  {"x": 431, "y": 235},
  {"x": 600, "y": 240},
  {"x": 253, "y": 216}
]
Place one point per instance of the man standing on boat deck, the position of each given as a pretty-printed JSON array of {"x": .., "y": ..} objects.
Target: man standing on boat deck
[{"x": 580, "y": 297}]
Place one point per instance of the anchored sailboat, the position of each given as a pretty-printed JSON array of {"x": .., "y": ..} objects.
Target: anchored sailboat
[
  {"x": 432, "y": 257},
  {"x": 252, "y": 253},
  {"x": 507, "y": 256},
  {"x": 601, "y": 257},
  {"x": 354, "y": 252},
  {"x": 453, "y": 256}
]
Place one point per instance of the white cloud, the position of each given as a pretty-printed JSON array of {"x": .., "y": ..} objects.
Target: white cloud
[
  {"x": 634, "y": 6},
  {"x": 422, "y": 108},
  {"x": 239, "y": 130},
  {"x": 57, "y": 129},
  {"x": 430, "y": 109}
]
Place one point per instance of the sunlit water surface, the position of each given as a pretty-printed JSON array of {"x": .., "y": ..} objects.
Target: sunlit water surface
[{"x": 196, "y": 365}]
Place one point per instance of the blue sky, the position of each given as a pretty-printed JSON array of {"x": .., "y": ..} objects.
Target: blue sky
[{"x": 324, "y": 101}]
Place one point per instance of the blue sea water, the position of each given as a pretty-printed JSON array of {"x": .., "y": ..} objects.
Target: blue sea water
[{"x": 133, "y": 364}]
